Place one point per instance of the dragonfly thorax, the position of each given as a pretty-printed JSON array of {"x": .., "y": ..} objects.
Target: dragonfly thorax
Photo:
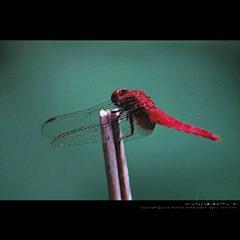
[{"x": 132, "y": 100}]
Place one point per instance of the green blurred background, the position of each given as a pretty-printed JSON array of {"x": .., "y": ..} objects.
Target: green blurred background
[{"x": 196, "y": 82}]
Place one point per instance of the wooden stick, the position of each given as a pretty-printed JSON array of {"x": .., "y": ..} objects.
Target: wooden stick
[
  {"x": 121, "y": 160},
  {"x": 110, "y": 157},
  {"x": 115, "y": 160}
]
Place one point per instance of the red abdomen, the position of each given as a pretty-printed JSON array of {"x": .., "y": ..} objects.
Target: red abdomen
[{"x": 159, "y": 117}]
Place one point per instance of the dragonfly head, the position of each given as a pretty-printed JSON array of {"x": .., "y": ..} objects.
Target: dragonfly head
[{"x": 117, "y": 94}]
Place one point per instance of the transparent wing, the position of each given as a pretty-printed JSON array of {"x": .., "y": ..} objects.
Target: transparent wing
[
  {"x": 83, "y": 135},
  {"x": 85, "y": 121},
  {"x": 142, "y": 126}
]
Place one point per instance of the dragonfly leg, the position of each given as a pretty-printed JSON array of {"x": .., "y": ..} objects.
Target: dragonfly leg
[
  {"x": 126, "y": 135},
  {"x": 129, "y": 116}
]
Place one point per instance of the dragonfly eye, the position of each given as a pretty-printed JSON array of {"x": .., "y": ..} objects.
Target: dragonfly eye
[{"x": 116, "y": 94}]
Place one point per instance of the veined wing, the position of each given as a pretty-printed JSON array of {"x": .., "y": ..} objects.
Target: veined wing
[
  {"x": 142, "y": 125},
  {"x": 73, "y": 122},
  {"x": 83, "y": 135}
]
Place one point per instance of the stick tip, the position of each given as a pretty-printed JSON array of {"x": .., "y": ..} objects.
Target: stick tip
[{"x": 103, "y": 113}]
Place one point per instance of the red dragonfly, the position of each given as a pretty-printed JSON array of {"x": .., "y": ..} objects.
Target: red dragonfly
[{"x": 137, "y": 115}]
